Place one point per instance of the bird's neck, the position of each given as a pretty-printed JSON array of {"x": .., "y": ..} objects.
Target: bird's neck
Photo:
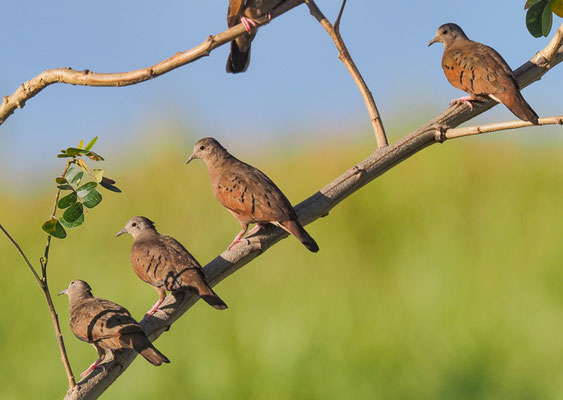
[
  {"x": 218, "y": 160},
  {"x": 77, "y": 299}
]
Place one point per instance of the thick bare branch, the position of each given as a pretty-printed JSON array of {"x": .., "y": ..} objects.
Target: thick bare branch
[
  {"x": 346, "y": 58},
  {"x": 316, "y": 206},
  {"x": 88, "y": 78}
]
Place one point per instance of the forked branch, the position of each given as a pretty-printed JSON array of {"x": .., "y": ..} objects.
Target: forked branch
[
  {"x": 316, "y": 206},
  {"x": 346, "y": 58}
]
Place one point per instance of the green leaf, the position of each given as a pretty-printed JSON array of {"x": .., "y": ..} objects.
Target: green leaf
[
  {"x": 83, "y": 190},
  {"x": 534, "y": 18},
  {"x": 74, "y": 151},
  {"x": 92, "y": 199},
  {"x": 65, "y": 187},
  {"x": 81, "y": 143},
  {"x": 546, "y": 20},
  {"x": 557, "y": 7},
  {"x": 64, "y": 155},
  {"x": 108, "y": 184},
  {"x": 530, "y": 3},
  {"x": 91, "y": 144},
  {"x": 67, "y": 200},
  {"x": 74, "y": 212},
  {"x": 98, "y": 174},
  {"x": 60, "y": 180},
  {"x": 93, "y": 156},
  {"x": 54, "y": 228},
  {"x": 79, "y": 221},
  {"x": 73, "y": 175}
]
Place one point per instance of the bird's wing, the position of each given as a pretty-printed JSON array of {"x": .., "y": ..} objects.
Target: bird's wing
[
  {"x": 97, "y": 319},
  {"x": 234, "y": 12},
  {"x": 248, "y": 192}
]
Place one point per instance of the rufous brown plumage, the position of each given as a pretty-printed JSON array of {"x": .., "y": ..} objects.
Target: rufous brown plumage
[
  {"x": 480, "y": 70},
  {"x": 245, "y": 11},
  {"x": 165, "y": 264},
  {"x": 106, "y": 325},
  {"x": 248, "y": 193}
]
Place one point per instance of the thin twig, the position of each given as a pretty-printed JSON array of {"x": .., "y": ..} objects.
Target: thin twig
[
  {"x": 316, "y": 206},
  {"x": 346, "y": 58},
  {"x": 88, "y": 78},
  {"x": 22, "y": 254},
  {"x": 501, "y": 126}
]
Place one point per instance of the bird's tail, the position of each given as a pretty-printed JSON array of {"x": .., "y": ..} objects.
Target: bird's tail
[
  {"x": 295, "y": 228},
  {"x": 142, "y": 345},
  {"x": 520, "y": 107},
  {"x": 238, "y": 59},
  {"x": 211, "y": 298}
]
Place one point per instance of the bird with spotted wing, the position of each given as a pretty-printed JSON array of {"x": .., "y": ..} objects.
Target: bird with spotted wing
[
  {"x": 479, "y": 70},
  {"x": 165, "y": 264},
  {"x": 245, "y": 11},
  {"x": 106, "y": 325},
  {"x": 248, "y": 193}
]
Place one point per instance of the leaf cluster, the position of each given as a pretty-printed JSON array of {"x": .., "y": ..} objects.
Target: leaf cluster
[{"x": 539, "y": 18}]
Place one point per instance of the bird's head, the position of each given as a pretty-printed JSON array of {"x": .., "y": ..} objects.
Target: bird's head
[
  {"x": 207, "y": 148},
  {"x": 447, "y": 34},
  {"x": 77, "y": 287},
  {"x": 136, "y": 226}
]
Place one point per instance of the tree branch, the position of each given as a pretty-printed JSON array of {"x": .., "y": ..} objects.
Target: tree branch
[
  {"x": 316, "y": 206},
  {"x": 88, "y": 78},
  {"x": 346, "y": 58},
  {"x": 500, "y": 126}
]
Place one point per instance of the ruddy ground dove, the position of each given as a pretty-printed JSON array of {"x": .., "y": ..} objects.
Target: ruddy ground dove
[
  {"x": 248, "y": 193},
  {"x": 480, "y": 70},
  {"x": 106, "y": 325},
  {"x": 164, "y": 263},
  {"x": 245, "y": 11}
]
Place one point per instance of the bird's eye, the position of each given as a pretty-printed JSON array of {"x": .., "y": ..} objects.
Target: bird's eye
[
  {"x": 201, "y": 147},
  {"x": 134, "y": 224},
  {"x": 444, "y": 31}
]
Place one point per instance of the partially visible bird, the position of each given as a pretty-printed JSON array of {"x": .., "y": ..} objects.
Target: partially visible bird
[
  {"x": 245, "y": 11},
  {"x": 106, "y": 325},
  {"x": 480, "y": 70},
  {"x": 248, "y": 193},
  {"x": 164, "y": 263}
]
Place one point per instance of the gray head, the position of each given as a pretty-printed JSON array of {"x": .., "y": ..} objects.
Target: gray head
[
  {"x": 77, "y": 288},
  {"x": 207, "y": 148},
  {"x": 137, "y": 226},
  {"x": 448, "y": 34}
]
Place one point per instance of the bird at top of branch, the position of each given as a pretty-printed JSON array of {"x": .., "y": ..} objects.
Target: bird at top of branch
[
  {"x": 479, "y": 70},
  {"x": 245, "y": 11}
]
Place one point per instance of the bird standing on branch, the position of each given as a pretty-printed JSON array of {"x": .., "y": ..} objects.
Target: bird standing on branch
[
  {"x": 248, "y": 193},
  {"x": 245, "y": 11},
  {"x": 106, "y": 326},
  {"x": 164, "y": 263},
  {"x": 480, "y": 70}
]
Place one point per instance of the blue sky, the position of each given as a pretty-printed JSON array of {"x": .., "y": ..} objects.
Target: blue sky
[{"x": 294, "y": 84}]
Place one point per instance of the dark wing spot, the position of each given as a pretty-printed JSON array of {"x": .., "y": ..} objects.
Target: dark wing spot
[
  {"x": 242, "y": 198},
  {"x": 461, "y": 77},
  {"x": 253, "y": 205}
]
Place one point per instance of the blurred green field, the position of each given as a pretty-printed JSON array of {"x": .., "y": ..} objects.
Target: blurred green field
[{"x": 442, "y": 279}]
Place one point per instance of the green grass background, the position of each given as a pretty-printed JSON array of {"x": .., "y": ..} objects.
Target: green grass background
[{"x": 441, "y": 279}]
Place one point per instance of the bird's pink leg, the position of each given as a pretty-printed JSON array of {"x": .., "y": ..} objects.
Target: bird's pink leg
[
  {"x": 91, "y": 367},
  {"x": 237, "y": 238},
  {"x": 255, "y": 229},
  {"x": 248, "y": 23},
  {"x": 465, "y": 99},
  {"x": 154, "y": 308}
]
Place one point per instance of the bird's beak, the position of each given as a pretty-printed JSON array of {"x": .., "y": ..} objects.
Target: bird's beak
[
  {"x": 435, "y": 40},
  {"x": 191, "y": 158},
  {"x": 63, "y": 292},
  {"x": 121, "y": 232}
]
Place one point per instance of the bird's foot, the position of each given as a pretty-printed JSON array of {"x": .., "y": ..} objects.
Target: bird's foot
[
  {"x": 238, "y": 237},
  {"x": 91, "y": 368},
  {"x": 269, "y": 15},
  {"x": 465, "y": 99},
  {"x": 154, "y": 308},
  {"x": 248, "y": 23}
]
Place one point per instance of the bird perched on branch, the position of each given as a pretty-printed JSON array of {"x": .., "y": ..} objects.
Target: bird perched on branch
[
  {"x": 248, "y": 193},
  {"x": 245, "y": 11},
  {"x": 106, "y": 325},
  {"x": 164, "y": 263},
  {"x": 480, "y": 70}
]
